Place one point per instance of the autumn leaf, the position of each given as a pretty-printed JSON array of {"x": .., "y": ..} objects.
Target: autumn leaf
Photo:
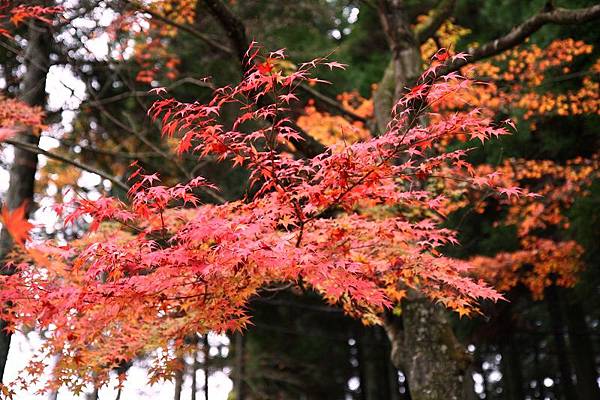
[
  {"x": 16, "y": 223},
  {"x": 266, "y": 67}
]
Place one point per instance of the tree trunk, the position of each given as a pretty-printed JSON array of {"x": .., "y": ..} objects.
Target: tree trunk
[
  {"x": 557, "y": 326},
  {"x": 582, "y": 351},
  {"x": 24, "y": 166},
  {"x": 194, "y": 374},
  {"x": 92, "y": 395},
  {"x": 179, "y": 380},
  {"x": 423, "y": 343},
  {"x": 239, "y": 376},
  {"x": 424, "y": 346},
  {"x": 206, "y": 350},
  {"x": 373, "y": 366},
  {"x": 512, "y": 377}
]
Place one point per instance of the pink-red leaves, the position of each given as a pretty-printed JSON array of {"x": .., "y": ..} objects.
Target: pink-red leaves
[{"x": 165, "y": 266}]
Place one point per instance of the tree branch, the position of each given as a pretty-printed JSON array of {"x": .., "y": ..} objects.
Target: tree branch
[
  {"x": 558, "y": 16},
  {"x": 437, "y": 16},
  {"x": 307, "y": 146},
  {"x": 234, "y": 28},
  {"x": 205, "y": 38},
  {"x": 35, "y": 149},
  {"x": 331, "y": 103}
]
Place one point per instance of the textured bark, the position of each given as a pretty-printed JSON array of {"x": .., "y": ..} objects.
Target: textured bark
[
  {"x": 405, "y": 65},
  {"x": 24, "y": 166},
  {"x": 425, "y": 347},
  {"x": 423, "y": 343}
]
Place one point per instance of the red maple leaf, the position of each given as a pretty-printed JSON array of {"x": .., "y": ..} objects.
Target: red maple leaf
[
  {"x": 266, "y": 67},
  {"x": 16, "y": 223}
]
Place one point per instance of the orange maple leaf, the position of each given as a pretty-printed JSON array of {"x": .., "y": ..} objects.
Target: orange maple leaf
[{"x": 16, "y": 223}]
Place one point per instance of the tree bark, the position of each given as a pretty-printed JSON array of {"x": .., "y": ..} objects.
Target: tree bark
[
  {"x": 425, "y": 347},
  {"x": 423, "y": 343},
  {"x": 24, "y": 166}
]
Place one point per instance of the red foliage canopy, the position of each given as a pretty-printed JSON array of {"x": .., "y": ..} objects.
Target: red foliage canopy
[{"x": 359, "y": 223}]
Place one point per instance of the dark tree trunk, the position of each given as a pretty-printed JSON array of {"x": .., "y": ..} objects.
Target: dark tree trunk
[
  {"x": 582, "y": 351},
  {"x": 240, "y": 387},
  {"x": 179, "y": 380},
  {"x": 512, "y": 377},
  {"x": 373, "y": 364},
  {"x": 24, "y": 166},
  {"x": 194, "y": 372},
  {"x": 206, "y": 350},
  {"x": 557, "y": 325},
  {"x": 388, "y": 371}
]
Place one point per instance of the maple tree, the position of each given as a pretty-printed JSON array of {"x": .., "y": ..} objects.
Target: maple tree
[{"x": 356, "y": 223}]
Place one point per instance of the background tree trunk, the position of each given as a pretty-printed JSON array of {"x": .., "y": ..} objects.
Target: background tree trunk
[
  {"x": 582, "y": 350},
  {"x": 24, "y": 166},
  {"x": 239, "y": 375},
  {"x": 557, "y": 325}
]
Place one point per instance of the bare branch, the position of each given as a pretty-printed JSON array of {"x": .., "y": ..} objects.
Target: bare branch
[
  {"x": 331, "y": 103},
  {"x": 35, "y": 149},
  {"x": 558, "y": 16},
  {"x": 203, "y": 37}
]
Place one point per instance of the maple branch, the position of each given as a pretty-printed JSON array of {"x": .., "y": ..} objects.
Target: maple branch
[
  {"x": 203, "y": 37},
  {"x": 331, "y": 102},
  {"x": 437, "y": 16},
  {"x": 518, "y": 34},
  {"x": 308, "y": 146},
  {"x": 234, "y": 28},
  {"x": 35, "y": 149}
]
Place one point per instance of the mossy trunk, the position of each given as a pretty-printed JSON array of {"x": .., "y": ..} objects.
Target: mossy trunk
[{"x": 425, "y": 348}]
